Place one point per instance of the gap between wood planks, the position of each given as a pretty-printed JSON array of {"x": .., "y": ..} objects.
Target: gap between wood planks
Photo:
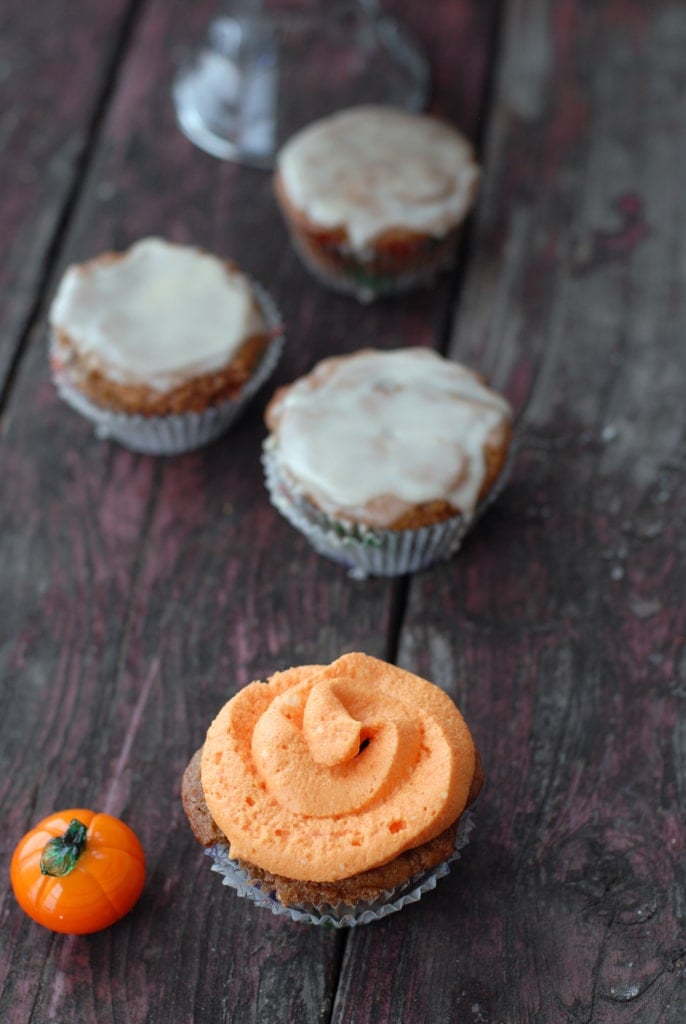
[
  {"x": 93, "y": 130},
  {"x": 454, "y": 287},
  {"x": 483, "y": 121}
]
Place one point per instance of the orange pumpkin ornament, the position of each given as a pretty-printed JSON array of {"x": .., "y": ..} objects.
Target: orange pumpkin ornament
[{"x": 77, "y": 871}]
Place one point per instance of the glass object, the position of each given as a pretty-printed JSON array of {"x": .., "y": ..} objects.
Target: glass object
[{"x": 266, "y": 71}]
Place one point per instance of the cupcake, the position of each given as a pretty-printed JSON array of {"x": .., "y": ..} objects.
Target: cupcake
[
  {"x": 334, "y": 794},
  {"x": 374, "y": 198},
  {"x": 384, "y": 459},
  {"x": 161, "y": 346}
]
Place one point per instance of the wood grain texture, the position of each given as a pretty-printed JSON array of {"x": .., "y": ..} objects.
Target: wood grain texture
[
  {"x": 139, "y": 594},
  {"x": 561, "y": 628},
  {"x": 45, "y": 128}
]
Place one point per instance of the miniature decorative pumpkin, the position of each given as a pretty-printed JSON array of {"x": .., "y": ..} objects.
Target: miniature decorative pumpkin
[{"x": 77, "y": 871}]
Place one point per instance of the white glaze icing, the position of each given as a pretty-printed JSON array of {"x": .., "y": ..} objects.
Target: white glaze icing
[
  {"x": 403, "y": 423},
  {"x": 369, "y": 169},
  {"x": 159, "y": 314}
]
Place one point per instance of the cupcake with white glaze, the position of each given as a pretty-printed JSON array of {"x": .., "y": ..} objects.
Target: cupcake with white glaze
[
  {"x": 161, "y": 346},
  {"x": 375, "y": 197},
  {"x": 384, "y": 459}
]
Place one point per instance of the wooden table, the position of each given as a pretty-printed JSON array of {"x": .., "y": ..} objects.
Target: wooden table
[{"x": 138, "y": 594}]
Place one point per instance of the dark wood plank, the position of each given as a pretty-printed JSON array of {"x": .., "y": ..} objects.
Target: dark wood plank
[
  {"x": 55, "y": 63},
  {"x": 141, "y": 594},
  {"x": 560, "y": 628}
]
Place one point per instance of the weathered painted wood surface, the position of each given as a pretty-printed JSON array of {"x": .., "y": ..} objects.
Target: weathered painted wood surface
[
  {"x": 137, "y": 594},
  {"x": 560, "y": 629},
  {"x": 56, "y": 66}
]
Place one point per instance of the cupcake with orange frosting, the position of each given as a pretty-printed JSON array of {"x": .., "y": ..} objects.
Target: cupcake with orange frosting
[
  {"x": 334, "y": 794},
  {"x": 384, "y": 459},
  {"x": 161, "y": 346},
  {"x": 375, "y": 197}
]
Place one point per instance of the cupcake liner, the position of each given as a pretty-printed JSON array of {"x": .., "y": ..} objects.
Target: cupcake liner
[
  {"x": 367, "y": 551},
  {"x": 172, "y": 434},
  {"x": 342, "y": 915},
  {"x": 355, "y": 274}
]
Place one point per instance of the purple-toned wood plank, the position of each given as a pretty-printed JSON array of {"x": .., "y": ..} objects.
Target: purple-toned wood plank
[
  {"x": 140, "y": 594},
  {"x": 54, "y": 66},
  {"x": 560, "y": 628}
]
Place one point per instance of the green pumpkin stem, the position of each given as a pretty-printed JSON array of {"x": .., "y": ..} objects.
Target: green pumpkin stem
[{"x": 61, "y": 853}]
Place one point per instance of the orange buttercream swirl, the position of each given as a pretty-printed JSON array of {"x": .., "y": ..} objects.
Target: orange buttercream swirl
[{"x": 327, "y": 771}]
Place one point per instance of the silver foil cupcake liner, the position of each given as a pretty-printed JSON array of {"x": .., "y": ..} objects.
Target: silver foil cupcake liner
[
  {"x": 173, "y": 434},
  {"x": 342, "y": 915},
  {"x": 366, "y": 551}
]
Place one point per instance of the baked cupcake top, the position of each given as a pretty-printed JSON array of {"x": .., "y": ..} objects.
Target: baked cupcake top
[
  {"x": 374, "y": 169},
  {"x": 327, "y": 771},
  {"x": 156, "y": 315},
  {"x": 370, "y": 435}
]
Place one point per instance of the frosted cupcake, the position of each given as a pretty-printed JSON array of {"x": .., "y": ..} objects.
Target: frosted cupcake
[
  {"x": 335, "y": 794},
  {"x": 375, "y": 197},
  {"x": 161, "y": 346},
  {"x": 383, "y": 459}
]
